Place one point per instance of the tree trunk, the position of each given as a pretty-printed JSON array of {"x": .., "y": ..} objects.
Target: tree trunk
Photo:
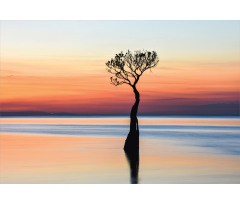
[{"x": 132, "y": 141}]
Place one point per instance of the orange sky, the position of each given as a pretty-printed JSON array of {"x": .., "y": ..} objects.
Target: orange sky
[{"x": 164, "y": 88}]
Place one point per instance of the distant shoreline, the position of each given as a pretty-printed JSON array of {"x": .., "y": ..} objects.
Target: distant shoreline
[{"x": 39, "y": 113}]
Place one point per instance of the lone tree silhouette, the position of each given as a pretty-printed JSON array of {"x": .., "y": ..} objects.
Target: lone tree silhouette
[{"x": 127, "y": 69}]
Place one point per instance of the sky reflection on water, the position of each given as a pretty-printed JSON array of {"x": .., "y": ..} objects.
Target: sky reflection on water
[{"x": 168, "y": 152}]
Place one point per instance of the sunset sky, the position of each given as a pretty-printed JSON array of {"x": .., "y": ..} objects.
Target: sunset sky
[{"x": 59, "y": 66}]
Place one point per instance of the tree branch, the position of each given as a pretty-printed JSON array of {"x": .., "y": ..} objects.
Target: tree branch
[{"x": 133, "y": 65}]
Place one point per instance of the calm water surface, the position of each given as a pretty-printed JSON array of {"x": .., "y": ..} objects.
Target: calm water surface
[{"x": 89, "y": 150}]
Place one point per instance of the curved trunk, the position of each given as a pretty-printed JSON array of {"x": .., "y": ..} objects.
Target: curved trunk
[
  {"x": 133, "y": 114},
  {"x": 132, "y": 141}
]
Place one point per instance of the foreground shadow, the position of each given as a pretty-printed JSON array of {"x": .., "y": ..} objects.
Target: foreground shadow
[
  {"x": 133, "y": 161},
  {"x": 132, "y": 155}
]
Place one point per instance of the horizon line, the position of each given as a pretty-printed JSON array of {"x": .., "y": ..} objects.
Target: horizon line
[{"x": 42, "y": 113}]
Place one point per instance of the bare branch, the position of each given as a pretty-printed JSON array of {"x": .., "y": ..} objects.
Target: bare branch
[{"x": 131, "y": 65}]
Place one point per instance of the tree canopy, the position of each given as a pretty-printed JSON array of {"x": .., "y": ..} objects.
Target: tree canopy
[{"x": 127, "y": 68}]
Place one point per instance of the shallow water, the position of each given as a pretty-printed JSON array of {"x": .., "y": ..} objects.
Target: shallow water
[{"x": 89, "y": 150}]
